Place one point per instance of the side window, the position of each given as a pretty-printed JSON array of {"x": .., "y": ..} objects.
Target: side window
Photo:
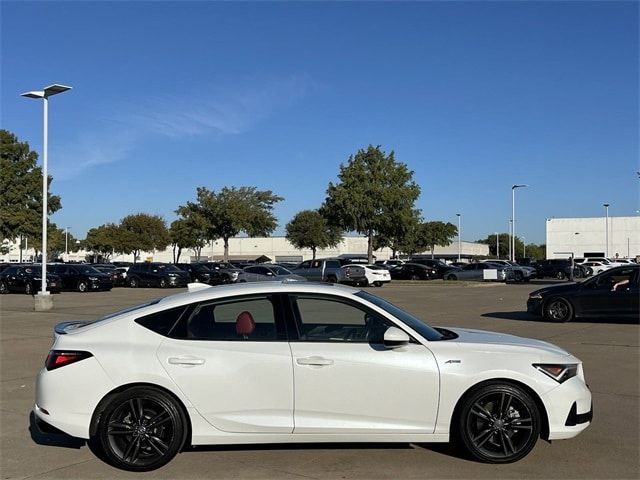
[
  {"x": 242, "y": 320},
  {"x": 316, "y": 264},
  {"x": 328, "y": 320},
  {"x": 306, "y": 264},
  {"x": 251, "y": 270},
  {"x": 333, "y": 264},
  {"x": 161, "y": 322}
]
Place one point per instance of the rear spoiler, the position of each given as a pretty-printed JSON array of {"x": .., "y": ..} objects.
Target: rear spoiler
[{"x": 61, "y": 328}]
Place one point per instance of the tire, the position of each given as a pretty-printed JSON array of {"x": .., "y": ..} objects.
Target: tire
[
  {"x": 560, "y": 275},
  {"x": 518, "y": 277},
  {"x": 497, "y": 423},
  {"x": 414, "y": 277},
  {"x": 3, "y": 288},
  {"x": 82, "y": 286},
  {"x": 28, "y": 289},
  {"x": 140, "y": 429},
  {"x": 332, "y": 279},
  {"x": 163, "y": 283},
  {"x": 377, "y": 284},
  {"x": 558, "y": 309},
  {"x": 451, "y": 277},
  {"x": 134, "y": 283}
]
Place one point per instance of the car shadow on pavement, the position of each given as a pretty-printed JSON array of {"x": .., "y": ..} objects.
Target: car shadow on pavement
[
  {"x": 528, "y": 317},
  {"x": 518, "y": 315},
  {"x": 47, "y": 435}
]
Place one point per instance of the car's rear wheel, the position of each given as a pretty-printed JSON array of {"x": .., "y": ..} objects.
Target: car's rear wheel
[
  {"x": 498, "y": 423},
  {"x": 332, "y": 279},
  {"x": 3, "y": 288},
  {"x": 560, "y": 275},
  {"x": 451, "y": 277},
  {"x": 558, "y": 309},
  {"x": 140, "y": 429},
  {"x": 377, "y": 284},
  {"x": 163, "y": 283},
  {"x": 82, "y": 286},
  {"x": 518, "y": 277},
  {"x": 133, "y": 283},
  {"x": 28, "y": 288},
  {"x": 414, "y": 277}
]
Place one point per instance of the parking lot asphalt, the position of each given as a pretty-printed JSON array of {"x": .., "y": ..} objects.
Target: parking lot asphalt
[{"x": 609, "y": 448}]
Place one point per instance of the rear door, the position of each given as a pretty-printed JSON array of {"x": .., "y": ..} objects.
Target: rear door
[{"x": 232, "y": 361}]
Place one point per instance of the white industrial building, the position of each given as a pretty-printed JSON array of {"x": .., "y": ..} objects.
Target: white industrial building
[
  {"x": 593, "y": 237},
  {"x": 277, "y": 249}
]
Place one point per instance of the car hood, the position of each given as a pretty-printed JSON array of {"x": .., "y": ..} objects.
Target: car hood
[
  {"x": 482, "y": 337},
  {"x": 556, "y": 289}
]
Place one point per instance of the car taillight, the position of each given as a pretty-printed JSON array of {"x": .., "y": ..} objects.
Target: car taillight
[{"x": 60, "y": 358}]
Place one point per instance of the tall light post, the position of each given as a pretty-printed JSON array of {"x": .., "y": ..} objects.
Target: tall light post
[
  {"x": 513, "y": 218},
  {"x": 510, "y": 230},
  {"x": 66, "y": 243},
  {"x": 497, "y": 246},
  {"x": 458, "y": 215},
  {"x": 606, "y": 230},
  {"x": 524, "y": 247},
  {"x": 43, "y": 300}
]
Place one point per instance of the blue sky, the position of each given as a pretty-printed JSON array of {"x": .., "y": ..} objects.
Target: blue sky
[{"x": 473, "y": 96}]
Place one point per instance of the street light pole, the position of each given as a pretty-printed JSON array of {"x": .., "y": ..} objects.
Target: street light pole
[
  {"x": 510, "y": 226},
  {"x": 513, "y": 218},
  {"x": 66, "y": 243},
  {"x": 606, "y": 230},
  {"x": 524, "y": 247},
  {"x": 458, "y": 215},
  {"x": 43, "y": 301},
  {"x": 497, "y": 246}
]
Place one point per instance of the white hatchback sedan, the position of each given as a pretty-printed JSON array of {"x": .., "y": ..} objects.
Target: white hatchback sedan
[
  {"x": 375, "y": 274},
  {"x": 294, "y": 362}
]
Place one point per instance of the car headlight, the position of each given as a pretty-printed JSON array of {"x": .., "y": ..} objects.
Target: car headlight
[
  {"x": 535, "y": 295},
  {"x": 559, "y": 372},
  {"x": 93, "y": 279},
  {"x": 173, "y": 275}
]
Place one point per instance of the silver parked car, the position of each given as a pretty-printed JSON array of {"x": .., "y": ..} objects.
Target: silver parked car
[
  {"x": 265, "y": 273},
  {"x": 475, "y": 271}
]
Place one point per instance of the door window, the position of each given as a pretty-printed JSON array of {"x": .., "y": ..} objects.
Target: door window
[
  {"x": 242, "y": 320},
  {"x": 329, "y": 320}
]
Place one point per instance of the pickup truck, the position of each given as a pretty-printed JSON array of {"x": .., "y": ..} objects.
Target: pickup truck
[{"x": 330, "y": 270}]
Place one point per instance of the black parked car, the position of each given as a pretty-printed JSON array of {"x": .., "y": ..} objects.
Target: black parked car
[
  {"x": 83, "y": 278},
  {"x": 199, "y": 272},
  {"x": 558, "y": 268},
  {"x": 27, "y": 279},
  {"x": 612, "y": 293},
  {"x": 161, "y": 275},
  {"x": 439, "y": 266},
  {"x": 413, "y": 271}
]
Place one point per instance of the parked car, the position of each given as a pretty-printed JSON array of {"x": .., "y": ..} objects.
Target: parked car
[
  {"x": 439, "y": 266},
  {"x": 413, "y": 271},
  {"x": 81, "y": 278},
  {"x": 515, "y": 272},
  {"x": 494, "y": 394},
  {"x": 224, "y": 272},
  {"x": 612, "y": 293},
  {"x": 27, "y": 279},
  {"x": 594, "y": 268},
  {"x": 266, "y": 273},
  {"x": 390, "y": 264},
  {"x": 559, "y": 268},
  {"x": 376, "y": 275},
  {"x": 200, "y": 272},
  {"x": 161, "y": 275},
  {"x": 325, "y": 270},
  {"x": 120, "y": 277},
  {"x": 475, "y": 271}
]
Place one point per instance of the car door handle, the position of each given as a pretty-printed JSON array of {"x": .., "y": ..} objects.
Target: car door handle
[
  {"x": 186, "y": 361},
  {"x": 317, "y": 361}
]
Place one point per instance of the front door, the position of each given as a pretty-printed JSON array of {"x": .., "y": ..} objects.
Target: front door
[
  {"x": 233, "y": 362},
  {"x": 346, "y": 381}
]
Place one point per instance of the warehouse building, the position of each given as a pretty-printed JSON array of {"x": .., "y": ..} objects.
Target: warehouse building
[{"x": 593, "y": 237}]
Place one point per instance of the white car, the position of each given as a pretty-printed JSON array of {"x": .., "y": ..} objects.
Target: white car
[
  {"x": 376, "y": 275},
  {"x": 597, "y": 267},
  {"x": 287, "y": 362}
]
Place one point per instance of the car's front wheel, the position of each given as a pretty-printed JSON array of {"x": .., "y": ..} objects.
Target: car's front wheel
[
  {"x": 163, "y": 283},
  {"x": 498, "y": 423},
  {"x": 133, "y": 282},
  {"x": 3, "y": 288},
  {"x": 82, "y": 286},
  {"x": 558, "y": 309},
  {"x": 140, "y": 429}
]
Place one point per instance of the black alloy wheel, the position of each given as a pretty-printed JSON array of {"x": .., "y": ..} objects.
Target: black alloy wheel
[
  {"x": 133, "y": 282},
  {"x": 82, "y": 286},
  {"x": 140, "y": 429},
  {"x": 377, "y": 284},
  {"x": 3, "y": 288},
  {"x": 558, "y": 309},
  {"x": 163, "y": 283},
  {"x": 28, "y": 288},
  {"x": 452, "y": 277},
  {"x": 414, "y": 276},
  {"x": 332, "y": 279},
  {"x": 499, "y": 423},
  {"x": 560, "y": 275},
  {"x": 518, "y": 276}
]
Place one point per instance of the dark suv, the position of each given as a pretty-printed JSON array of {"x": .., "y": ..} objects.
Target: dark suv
[
  {"x": 558, "y": 268},
  {"x": 199, "y": 272},
  {"x": 27, "y": 279},
  {"x": 439, "y": 266},
  {"x": 161, "y": 275},
  {"x": 83, "y": 278}
]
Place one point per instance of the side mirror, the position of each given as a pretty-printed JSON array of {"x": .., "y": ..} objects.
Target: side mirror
[{"x": 395, "y": 338}]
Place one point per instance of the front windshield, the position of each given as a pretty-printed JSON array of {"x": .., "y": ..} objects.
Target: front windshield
[
  {"x": 198, "y": 267},
  {"x": 422, "y": 328},
  {"x": 280, "y": 270}
]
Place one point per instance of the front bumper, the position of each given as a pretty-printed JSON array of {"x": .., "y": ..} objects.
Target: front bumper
[
  {"x": 569, "y": 409},
  {"x": 534, "y": 306}
]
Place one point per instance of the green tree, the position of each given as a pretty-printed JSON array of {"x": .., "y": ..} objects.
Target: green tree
[
  {"x": 373, "y": 192},
  {"x": 233, "y": 210},
  {"x": 56, "y": 242},
  {"x": 142, "y": 232},
  {"x": 437, "y": 233},
  {"x": 504, "y": 240},
  {"x": 399, "y": 234},
  {"x": 188, "y": 232},
  {"x": 21, "y": 190},
  {"x": 104, "y": 240},
  {"x": 309, "y": 229}
]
